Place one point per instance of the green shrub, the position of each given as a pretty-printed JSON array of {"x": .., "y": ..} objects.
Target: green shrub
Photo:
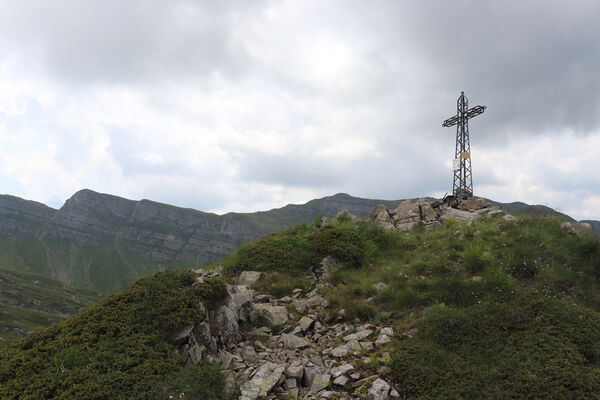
[
  {"x": 283, "y": 251},
  {"x": 213, "y": 289},
  {"x": 119, "y": 348},
  {"x": 281, "y": 284},
  {"x": 525, "y": 347},
  {"x": 473, "y": 258},
  {"x": 344, "y": 244}
]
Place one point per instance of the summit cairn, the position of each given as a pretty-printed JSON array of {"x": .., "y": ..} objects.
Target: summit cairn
[{"x": 409, "y": 214}]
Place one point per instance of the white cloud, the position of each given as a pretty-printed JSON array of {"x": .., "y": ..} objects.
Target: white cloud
[{"x": 244, "y": 106}]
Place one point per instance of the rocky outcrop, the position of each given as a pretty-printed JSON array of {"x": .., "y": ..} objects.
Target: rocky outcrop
[
  {"x": 298, "y": 359},
  {"x": 579, "y": 228},
  {"x": 409, "y": 214}
]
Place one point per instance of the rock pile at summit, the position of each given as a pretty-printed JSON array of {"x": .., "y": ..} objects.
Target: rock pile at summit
[{"x": 408, "y": 214}]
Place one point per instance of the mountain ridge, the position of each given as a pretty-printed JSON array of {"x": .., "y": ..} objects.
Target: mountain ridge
[{"x": 105, "y": 242}]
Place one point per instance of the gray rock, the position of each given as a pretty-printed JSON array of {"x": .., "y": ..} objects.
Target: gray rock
[
  {"x": 342, "y": 369},
  {"x": 379, "y": 391},
  {"x": 224, "y": 325},
  {"x": 394, "y": 395},
  {"x": 248, "y": 278},
  {"x": 183, "y": 335},
  {"x": 458, "y": 215},
  {"x": 320, "y": 382},
  {"x": 406, "y": 216},
  {"x": 276, "y": 315},
  {"x": 580, "y": 228},
  {"x": 249, "y": 355},
  {"x": 381, "y": 218},
  {"x": 264, "y": 379},
  {"x": 355, "y": 346},
  {"x": 301, "y": 305},
  {"x": 510, "y": 217},
  {"x": 340, "y": 351},
  {"x": 360, "y": 335},
  {"x": 387, "y": 331},
  {"x": 366, "y": 346},
  {"x": 293, "y": 342},
  {"x": 309, "y": 375},
  {"x": 382, "y": 340},
  {"x": 295, "y": 371},
  {"x": 427, "y": 213},
  {"x": 291, "y": 383},
  {"x": 306, "y": 323},
  {"x": 195, "y": 353},
  {"x": 225, "y": 359},
  {"x": 340, "y": 380}
]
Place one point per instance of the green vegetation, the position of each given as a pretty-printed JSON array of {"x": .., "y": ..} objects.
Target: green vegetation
[
  {"x": 117, "y": 349},
  {"x": 29, "y": 301},
  {"x": 213, "y": 289},
  {"x": 496, "y": 309}
]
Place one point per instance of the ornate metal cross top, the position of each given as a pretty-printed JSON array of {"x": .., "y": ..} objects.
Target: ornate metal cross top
[{"x": 463, "y": 181}]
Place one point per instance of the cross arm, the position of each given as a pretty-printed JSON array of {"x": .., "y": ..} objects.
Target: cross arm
[
  {"x": 450, "y": 121},
  {"x": 473, "y": 112}
]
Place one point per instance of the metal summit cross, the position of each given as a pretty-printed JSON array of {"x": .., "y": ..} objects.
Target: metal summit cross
[{"x": 462, "y": 188}]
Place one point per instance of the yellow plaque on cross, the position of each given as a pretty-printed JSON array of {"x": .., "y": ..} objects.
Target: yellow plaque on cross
[{"x": 465, "y": 154}]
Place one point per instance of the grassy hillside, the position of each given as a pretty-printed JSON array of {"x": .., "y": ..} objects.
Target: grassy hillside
[
  {"x": 118, "y": 348},
  {"x": 105, "y": 242},
  {"x": 496, "y": 309},
  {"x": 30, "y": 301}
]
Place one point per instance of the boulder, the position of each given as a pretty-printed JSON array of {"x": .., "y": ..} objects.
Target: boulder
[
  {"x": 224, "y": 325},
  {"x": 342, "y": 369},
  {"x": 458, "y": 215},
  {"x": 320, "y": 382},
  {"x": 381, "y": 217},
  {"x": 248, "y": 278},
  {"x": 276, "y": 315},
  {"x": 305, "y": 323},
  {"x": 360, "y": 335},
  {"x": 295, "y": 371},
  {"x": 340, "y": 351},
  {"x": 426, "y": 211},
  {"x": 240, "y": 302},
  {"x": 579, "y": 228},
  {"x": 382, "y": 340},
  {"x": 406, "y": 216},
  {"x": 379, "y": 391},
  {"x": 293, "y": 342},
  {"x": 301, "y": 305},
  {"x": 264, "y": 379}
]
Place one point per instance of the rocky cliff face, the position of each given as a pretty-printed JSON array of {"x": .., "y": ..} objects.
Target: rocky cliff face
[{"x": 20, "y": 218}]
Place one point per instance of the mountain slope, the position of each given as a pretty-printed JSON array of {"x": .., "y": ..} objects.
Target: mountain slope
[
  {"x": 500, "y": 309},
  {"x": 105, "y": 242},
  {"x": 29, "y": 301}
]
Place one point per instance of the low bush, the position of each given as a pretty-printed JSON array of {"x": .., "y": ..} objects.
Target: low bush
[
  {"x": 117, "y": 349},
  {"x": 526, "y": 347}
]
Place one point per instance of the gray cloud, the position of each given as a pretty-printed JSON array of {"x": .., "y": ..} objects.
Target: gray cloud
[{"x": 277, "y": 102}]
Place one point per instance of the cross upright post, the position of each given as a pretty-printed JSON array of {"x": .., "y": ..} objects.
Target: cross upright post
[{"x": 462, "y": 187}]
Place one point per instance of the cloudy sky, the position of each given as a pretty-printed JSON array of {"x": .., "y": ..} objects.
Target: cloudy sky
[{"x": 249, "y": 105}]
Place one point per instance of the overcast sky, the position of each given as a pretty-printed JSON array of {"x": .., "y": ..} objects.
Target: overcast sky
[{"x": 250, "y": 105}]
